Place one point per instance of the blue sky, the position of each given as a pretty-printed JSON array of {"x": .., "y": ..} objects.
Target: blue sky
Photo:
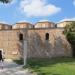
[{"x": 37, "y": 10}]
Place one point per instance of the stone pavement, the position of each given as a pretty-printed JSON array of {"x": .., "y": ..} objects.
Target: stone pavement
[{"x": 8, "y": 67}]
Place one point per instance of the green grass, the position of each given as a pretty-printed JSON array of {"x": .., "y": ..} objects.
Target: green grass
[{"x": 54, "y": 66}]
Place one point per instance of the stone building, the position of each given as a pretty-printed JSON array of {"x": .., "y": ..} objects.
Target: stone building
[
  {"x": 44, "y": 40},
  {"x": 5, "y": 26},
  {"x": 63, "y": 24},
  {"x": 22, "y": 25},
  {"x": 44, "y": 24}
]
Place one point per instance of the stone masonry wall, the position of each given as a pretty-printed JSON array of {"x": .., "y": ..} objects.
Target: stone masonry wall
[
  {"x": 38, "y": 46},
  {"x": 10, "y": 44},
  {"x": 56, "y": 46}
]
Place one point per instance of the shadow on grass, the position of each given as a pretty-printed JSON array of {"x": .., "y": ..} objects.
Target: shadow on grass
[{"x": 36, "y": 64}]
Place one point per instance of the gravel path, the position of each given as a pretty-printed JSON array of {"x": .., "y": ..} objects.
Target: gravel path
[{"x": 11, "y": 68}]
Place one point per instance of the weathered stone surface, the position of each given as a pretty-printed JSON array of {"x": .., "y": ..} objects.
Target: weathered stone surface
[
  {"x": 63, "y": 24},
  {"x": 22, "y": 25},
  {"x": 5, "y": 26},
  {"x": 45, "y": 24},
  {"x": 57, "y": 45},
  {"x": 38, "y": 44}
]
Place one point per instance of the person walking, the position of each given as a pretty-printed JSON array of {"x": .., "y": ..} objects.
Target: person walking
[{"x": 1, "y": 59}]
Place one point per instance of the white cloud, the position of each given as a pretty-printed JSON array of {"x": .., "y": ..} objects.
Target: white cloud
[
  {"x": 37, "y": 8},
  {"x": 43, "y": 20},
  {"x": 23, "y": 21},
  {"x": 3, "y": 22},
  {"x": 68, "y": 19},
  {"x": 74, "y": 2}
]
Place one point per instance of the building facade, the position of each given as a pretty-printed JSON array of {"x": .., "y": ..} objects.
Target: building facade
[
  {"x": 44, "y": 40},
  {"x": 63, "y": 24}
]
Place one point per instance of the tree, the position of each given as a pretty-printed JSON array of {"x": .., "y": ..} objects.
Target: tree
[
  {"x": 69, "y": 31},
  {"x": 5, "y": 1}
]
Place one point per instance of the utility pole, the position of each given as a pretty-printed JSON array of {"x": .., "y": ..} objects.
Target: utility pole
[{"x": 25, "y": 52}]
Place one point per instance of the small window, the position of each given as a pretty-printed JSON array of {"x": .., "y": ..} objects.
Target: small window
[
  {"x": 20, "y": 36},
  {"x": 55, "y": 25},
  {"x": 47, "y": 36}
]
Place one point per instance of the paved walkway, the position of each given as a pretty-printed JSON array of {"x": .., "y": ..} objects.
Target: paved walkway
[{"x": 11, "y": 68}]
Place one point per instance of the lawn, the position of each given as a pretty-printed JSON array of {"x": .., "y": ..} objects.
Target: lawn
[{"x": 54, "y": 66}]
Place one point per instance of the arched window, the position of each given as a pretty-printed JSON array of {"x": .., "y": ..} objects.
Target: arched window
[
  {"x": 47, "y": 36},
  {"x": 20, "y": 36}
]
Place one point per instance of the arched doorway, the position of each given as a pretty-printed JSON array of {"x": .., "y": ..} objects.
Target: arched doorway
[
  {"x": 47, "y": 36},
  {"x": 20, "y": 36}
]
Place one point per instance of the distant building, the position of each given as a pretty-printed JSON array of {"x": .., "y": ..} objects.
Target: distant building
[
  {"x": 44, "y": 40},
  {"x": 5, "y": 26},
  {"x": 63, "y": 24},
  {"x": 22, "y": 25},
  {"x": 45, "y": 24}
]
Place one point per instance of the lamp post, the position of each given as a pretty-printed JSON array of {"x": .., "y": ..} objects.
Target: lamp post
[{"x": 25, "y": 52}]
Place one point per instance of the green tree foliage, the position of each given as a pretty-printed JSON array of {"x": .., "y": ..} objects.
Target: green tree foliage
[
  {"x": 5, "y": 1},
  {"x": 70, "y": 32}
]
